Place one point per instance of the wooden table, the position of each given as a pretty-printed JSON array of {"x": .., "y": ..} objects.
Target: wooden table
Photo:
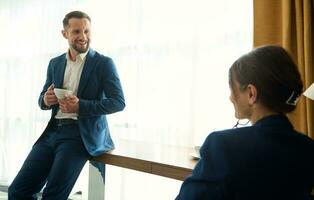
[{"x": 163, "y": 160}]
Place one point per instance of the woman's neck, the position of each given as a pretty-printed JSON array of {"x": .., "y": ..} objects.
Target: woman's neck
[{"x": 260, "y": 112}]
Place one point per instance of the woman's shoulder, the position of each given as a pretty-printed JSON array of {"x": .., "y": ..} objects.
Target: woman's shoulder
[
  {"x": 232, "y": 132},
  {"x": 231, "y": 137}
]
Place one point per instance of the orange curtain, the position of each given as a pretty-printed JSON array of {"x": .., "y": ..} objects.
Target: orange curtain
[{"x": 289, "y": 23}]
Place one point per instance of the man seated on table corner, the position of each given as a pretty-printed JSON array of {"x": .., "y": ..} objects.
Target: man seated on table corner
[
  {"x": 268, "y": 160},
  {"x": 78, "y": 128}
]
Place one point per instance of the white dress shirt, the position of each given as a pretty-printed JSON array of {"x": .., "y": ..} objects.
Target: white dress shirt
[{"x": 72, "y": 76}]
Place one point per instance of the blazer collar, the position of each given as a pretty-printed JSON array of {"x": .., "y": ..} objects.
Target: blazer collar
[
  {"x": 274, "y": 120},
  {"x": 59, "y": 72}
]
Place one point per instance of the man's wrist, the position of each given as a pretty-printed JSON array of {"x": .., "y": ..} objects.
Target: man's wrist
[{"x": 44, "y": 105}]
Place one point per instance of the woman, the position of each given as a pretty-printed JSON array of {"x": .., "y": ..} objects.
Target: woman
[{"x": 268, "y": 160}]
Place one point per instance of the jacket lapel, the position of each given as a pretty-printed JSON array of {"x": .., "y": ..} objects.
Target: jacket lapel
[
  {"x": 88, "y": 67},
  {"x": 59, "y": 73}
]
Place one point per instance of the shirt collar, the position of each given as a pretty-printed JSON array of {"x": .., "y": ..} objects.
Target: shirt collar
[{"x": 80, "y": 56}]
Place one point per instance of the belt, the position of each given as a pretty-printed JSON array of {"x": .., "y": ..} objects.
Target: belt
[{"x": 61, "y": 122}]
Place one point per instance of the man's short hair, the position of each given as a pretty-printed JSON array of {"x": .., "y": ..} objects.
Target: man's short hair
[{"x": 74, "y": 14}]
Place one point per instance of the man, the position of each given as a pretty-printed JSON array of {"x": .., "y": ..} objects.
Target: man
[{"x": 78, "y": 127}]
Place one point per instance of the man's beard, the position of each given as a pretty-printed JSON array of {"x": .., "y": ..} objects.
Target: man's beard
[{"x": 79, "y": 49}]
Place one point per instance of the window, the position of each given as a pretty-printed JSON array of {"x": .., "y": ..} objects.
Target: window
[{"x": 173, "y": 58}]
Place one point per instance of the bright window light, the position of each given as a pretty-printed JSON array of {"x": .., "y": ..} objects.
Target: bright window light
[{"x": 173, "y": 58}]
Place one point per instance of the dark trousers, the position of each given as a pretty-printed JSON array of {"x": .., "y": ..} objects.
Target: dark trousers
[{"x": 56, "y": 160}]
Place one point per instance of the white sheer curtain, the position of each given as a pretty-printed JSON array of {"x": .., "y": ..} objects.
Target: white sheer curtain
[
  {"x": 172, "y": 56},
  {"x": 30, "y": 33}
]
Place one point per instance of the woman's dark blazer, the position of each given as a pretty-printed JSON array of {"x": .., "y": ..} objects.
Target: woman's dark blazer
[{"x": 269, "y": 160}]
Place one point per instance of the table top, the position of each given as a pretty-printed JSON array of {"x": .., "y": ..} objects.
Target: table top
[{"x": 163, "y": 160}]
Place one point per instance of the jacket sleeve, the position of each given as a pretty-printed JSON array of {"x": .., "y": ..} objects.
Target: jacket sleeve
[
  {"x": 114, "y": 98},
  {"x": 47, "y": 84},
  {"x": 209, "y": 176}
]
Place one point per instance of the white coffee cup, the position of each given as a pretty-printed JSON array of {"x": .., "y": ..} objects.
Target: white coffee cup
[{"x": 61, "y": 93}]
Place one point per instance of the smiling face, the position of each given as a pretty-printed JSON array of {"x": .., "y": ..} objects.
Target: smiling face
[{"x": 78, "y": 35}]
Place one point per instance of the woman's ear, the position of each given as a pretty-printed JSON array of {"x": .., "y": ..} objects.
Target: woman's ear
[{"x": 252, "y": 94}]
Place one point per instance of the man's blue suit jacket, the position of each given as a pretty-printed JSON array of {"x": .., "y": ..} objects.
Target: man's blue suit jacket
[
  {"x": 267, "y": 161},
  {"x": 99, "y": 94}
]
